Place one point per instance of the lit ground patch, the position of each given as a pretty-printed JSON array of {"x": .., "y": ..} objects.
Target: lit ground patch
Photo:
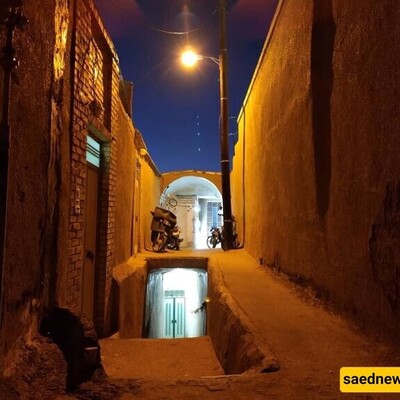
[{"x": 159, "y": 358}]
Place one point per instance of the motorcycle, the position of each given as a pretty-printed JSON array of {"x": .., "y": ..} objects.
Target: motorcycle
[
  {"x": 215, "y": 238},
  {"x": 174, "y": 240},
  {"x": 162, "y": 226}
]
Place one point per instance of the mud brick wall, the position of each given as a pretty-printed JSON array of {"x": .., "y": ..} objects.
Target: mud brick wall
[
  {"x": 29, "y": 254},
  {"x": 317, "y": 183}
]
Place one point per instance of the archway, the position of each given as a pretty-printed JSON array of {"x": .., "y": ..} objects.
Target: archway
[{"x": 196, "y": 202}]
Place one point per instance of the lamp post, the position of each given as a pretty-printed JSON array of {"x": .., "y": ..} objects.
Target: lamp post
[
  {"x": 189, "y": 58},
  {"x": 225, "y": 166}
]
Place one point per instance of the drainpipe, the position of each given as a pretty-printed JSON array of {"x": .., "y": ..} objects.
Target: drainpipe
[{"x": 11, "y": 17}]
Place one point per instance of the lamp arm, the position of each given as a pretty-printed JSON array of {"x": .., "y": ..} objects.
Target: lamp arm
[{"x": 214, "y": 59}]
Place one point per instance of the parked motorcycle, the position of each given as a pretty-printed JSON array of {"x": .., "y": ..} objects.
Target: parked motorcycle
[
  {"x": 215, "y": 238},
  {"x": 162, "y": 226},
  {"x": 174, "y": 240}
]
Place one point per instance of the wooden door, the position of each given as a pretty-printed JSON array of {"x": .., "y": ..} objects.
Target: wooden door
[{"x": 90, "y": 249}]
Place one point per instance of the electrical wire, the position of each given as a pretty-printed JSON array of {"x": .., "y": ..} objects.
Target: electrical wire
[{"x": 157, "y": 29}]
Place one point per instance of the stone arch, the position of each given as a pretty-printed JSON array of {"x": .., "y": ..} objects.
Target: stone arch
[{"x": 195, "y": 200}]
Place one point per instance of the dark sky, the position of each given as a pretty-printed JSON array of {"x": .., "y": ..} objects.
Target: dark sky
[{"x": 177, "y": 110}]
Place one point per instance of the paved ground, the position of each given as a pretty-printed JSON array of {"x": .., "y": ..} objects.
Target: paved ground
[{"x": 310, "y": 343}]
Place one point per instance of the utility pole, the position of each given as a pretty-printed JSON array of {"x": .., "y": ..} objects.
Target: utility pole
[{"x": 224, "y": 142}]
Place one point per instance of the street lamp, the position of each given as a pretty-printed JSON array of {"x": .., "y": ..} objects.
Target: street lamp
[{"x": 189, "y": 58}]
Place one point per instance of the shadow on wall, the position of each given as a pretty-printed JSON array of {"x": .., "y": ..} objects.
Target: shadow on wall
[{"x": 322, "y": 45}]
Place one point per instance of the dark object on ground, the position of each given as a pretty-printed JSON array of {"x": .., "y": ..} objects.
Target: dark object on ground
[{"x": 76, "y": 337}]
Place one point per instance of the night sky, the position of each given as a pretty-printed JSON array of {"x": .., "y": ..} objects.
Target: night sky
[{"x": 175, "y": 109}]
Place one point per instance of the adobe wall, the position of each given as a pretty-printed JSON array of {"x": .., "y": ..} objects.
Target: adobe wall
[
  {"x": 237, "y": 343},
  {"x": 32, "y": 200},
  {"x": 238, "y": 192},
  {"x": 124, "y": 187},
  {"x": 319, "y": 135},
  {"x": 150, "y": 192}
]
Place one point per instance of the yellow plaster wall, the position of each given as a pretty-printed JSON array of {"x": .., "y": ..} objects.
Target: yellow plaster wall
[{"x": 319, "y": 188}]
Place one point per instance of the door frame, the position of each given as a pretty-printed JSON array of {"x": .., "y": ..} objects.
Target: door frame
[
  {"x": 174, "y": 322},
  {"x": 98, "y": 171}
]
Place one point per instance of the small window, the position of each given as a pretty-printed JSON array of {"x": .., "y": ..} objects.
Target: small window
[{"x": 92, "y": 151}]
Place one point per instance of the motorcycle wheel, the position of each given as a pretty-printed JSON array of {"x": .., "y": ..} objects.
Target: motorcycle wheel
[
  {"x": 212, "y": 242},
  {"x": 172, "y": 244},
  {"x": 159, "y": 241}
]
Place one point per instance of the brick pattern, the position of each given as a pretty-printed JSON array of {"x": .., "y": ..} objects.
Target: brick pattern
[
  {"x": 96, "y": 83},
  {"x": 106, "y": 238},
  {"x": 107, "y": 245}
]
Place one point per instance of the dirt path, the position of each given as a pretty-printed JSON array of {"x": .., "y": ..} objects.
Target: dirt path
[
  {"x": 161, "y": 358},
  {"x": 310, "y": 343}
]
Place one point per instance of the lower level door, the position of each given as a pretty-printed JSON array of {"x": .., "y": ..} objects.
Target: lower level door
[{"x": 174, "y": 317}]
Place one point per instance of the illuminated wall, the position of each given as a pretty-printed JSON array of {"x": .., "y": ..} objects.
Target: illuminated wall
[
  {"x": 67, "y": 86},
  {"x": 318, "y": 137},
  {"x": 33, "y": 176}
]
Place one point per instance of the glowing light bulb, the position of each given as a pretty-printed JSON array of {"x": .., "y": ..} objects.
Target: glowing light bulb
[{"x": 189, "y": 58}]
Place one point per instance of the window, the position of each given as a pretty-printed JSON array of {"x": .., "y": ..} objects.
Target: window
[{"x": 92, "y": 151}]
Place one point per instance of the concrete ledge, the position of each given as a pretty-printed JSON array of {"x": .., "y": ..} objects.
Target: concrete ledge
[
  {"x": 172, "y": 260},
  {"x": 131, "y": 278},
  {"x": 240, "y": 348},
  {"x": 237, "y": 344}
]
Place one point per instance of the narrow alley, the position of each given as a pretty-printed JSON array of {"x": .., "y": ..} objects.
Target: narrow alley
[{"x": 199, "y": 200}]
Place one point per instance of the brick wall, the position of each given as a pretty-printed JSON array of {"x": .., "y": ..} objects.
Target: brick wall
[
  {"x": 95, "y": 107},
  {"x": 77, "y": 94}
]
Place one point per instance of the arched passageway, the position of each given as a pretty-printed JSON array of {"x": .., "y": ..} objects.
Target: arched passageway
[{"x": 196, "y": 202}]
